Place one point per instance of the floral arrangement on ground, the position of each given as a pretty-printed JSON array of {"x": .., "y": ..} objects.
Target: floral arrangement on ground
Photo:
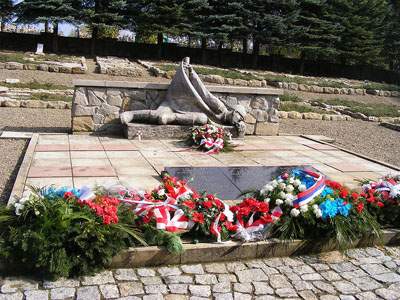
[
  {"x": 66, "y": 232},
  {"x": 209, "y": 138}
]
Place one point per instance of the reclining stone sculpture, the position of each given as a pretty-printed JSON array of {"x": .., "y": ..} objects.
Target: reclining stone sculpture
[{"x": 188, "y": 102}]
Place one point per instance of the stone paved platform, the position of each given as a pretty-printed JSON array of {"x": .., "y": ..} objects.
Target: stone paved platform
[
  {"x": 370, "y": 273},
  {"x": 77, "y": 160}
]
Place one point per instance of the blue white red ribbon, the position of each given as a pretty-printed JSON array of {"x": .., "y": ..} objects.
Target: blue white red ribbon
[
  {"x": 389, "y": 185},
  {"x": 310, "y": 194}
]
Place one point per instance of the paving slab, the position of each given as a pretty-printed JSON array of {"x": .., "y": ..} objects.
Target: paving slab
[{"x": 16, "y": 135}]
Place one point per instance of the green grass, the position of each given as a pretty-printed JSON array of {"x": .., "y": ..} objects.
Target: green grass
[
  {"x": 210, "y": 71},
  {"x": 290, "y": 106},
  {"x": 12, "y": 57},
  {"x": 19, "y": 57},
  {"x": 382, "y": 86},
  {"x": 289, "y": 97},
  {"x": 371, "y": 109},
  {"x": 50, "y": 97},
  {"x": 34, "y": 85}
]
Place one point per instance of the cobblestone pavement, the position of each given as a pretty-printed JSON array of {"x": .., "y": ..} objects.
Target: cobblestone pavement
[{"x": 370, "y": 273}]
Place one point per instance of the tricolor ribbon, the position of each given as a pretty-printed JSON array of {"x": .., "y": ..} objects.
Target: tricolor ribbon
[
  {"x": 389, "y": 185},
  {"x": 139, "y": 134},
  {"x": 310, "y": 194}
]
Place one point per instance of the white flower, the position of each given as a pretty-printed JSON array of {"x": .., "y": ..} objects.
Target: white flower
[
  {"x": 266, "y": 200},
  {"x": 268, "y": 187},
  {"x": 161, "y": 193},
  {"x": 304, "y": 208},
  {"x": 18, "y": 208},
  {"x": 291, "y": 180},
  {"x": 282, "y": 186},
  {"x": 278, "y": 202},
  {"x": 315, "y": 206},
  {"x": 280, "y": 180},
  {"x": 318, "y": 213},
  {"x": 23, "y": 200},
  {"x": 297, "y": 182},
  {"x": 274, "y": 183},
  {"x": 289, "y": 188},
  {"x": 302, "y": 187},
  {"x": 294, "y": 212},
  {"x": 262, "y": 191},
  {"x": 289, "y": 202},
  {"x": 282, "y": 195},
  {"x": 289, "y": 196}
]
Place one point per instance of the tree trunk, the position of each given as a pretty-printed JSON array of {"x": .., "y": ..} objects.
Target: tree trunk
[
  {"x": 2, "y": 23},
  {"x": 55, "y": 39},
  {"x": 203, "y": 51},
  {"x": 160, "y": 42},
  {"x": 93, "y": 41},
  {"x": 256, "y": 49},
  {"x": 46, "y": 26},
  {"x": 220, "y": 52},
  {"x": 301, "y": 66},
  {"x": 189, "y": 41}
]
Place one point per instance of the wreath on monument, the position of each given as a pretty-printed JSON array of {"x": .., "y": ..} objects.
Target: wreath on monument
[{"x": 210, "y": 138}]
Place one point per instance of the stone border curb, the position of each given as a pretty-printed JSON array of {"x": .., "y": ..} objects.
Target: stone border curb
[
  {"x": 312, "y": 116},
  {"x": 234, "y": 250},
  {"x": 390, "y": 126},
  {"x": 19, "y": 184},
  {"x": 36, "y": 104}
]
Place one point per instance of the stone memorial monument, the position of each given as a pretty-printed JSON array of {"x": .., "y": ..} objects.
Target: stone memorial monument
[{"x": 188, "y": 102}]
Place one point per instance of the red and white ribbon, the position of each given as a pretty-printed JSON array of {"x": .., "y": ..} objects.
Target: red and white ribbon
[
  {"x": 139, "y": 134},
  {"x": 178, "y": 223},
  {"x": 216, "y": 146}
]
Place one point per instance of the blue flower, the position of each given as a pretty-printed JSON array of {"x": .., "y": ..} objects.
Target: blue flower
[
  {"x": 327, "y": 191},
  {"x": 343, "y": 209},
  {"x": 50, "y": 192},
  {"x": 329, "y": 209}
]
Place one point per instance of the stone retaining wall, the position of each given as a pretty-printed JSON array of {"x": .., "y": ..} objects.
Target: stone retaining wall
[{"x": 97, "y": 104}]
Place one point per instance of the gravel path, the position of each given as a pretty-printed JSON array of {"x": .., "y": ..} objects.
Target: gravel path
[{"x": 362, "y": 137}]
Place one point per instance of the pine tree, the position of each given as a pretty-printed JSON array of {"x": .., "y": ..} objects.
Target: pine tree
[
  {"x": 101, "y": 14},
  {"x": 53, "y": 11},
  {"x": 6, "y": 11},
  {"x": 362, "y": 39},
  {"x": 392, "y": 36}
]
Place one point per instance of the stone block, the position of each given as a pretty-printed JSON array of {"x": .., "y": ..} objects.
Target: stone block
[
  {"x": 2, "y": 65},
  {"x": 80, "y": 97},
  {"x": 316, "y": 89},
  {"x": 250, "y": 119},
  {"x": 304, "y": 88},
  {"x": 153, "y": 94},
  {"x": 115, "y": 100},
  {"x": 107, "y": 109},
  {"x": 294, "y": 115},
  {"x": 68, "y": 105},
  {"x": 170, "y": 74},
  {"x": 14, "y": 66},
  {"x": 3, "y": 89},
  {"x": 65, "y": 69},
  {"x": 328, "y": 90},
  {"x": 293, "y": 86},
  {"x": 336, "y": 91},
  {"x": 80, "y": 110},
  {"x": 228, "y": 81},
  {"x": 95, "y": 98},
  {"x": 231, "y": 101},
  {"x": 264, "y": 83},
  {"x": 109, "y": 128},
  {"x": 359, "y": 91},
  {"x": 254, "y": 83},
  {"x": 267, "y": 129},
  {"x": 394, "y": 93},
  {"x": 386, "y": 93},
  {"x": 137, "y": 95},
  {"x": 283, "y": 114},
  {"x": 250, "y": 128},
  {"x": 214, "y": 79},
  {"x": 344, "y": 91},
  {"x": 112, "y": 119},
  {"x": 54, "y": 68},
  {"x": 82, "y": 124},
  {"x": 35, "y": 104},
  {"x": 11, "y": 103},
  {"x": 241, "y": 82},
  {"x": 98, "y": 119},
  {"x": 312, "y": 116},
  {"x": 326, "y": 117},
  {"x": 30, "y": 67},
  {"x": 272, "y": 115},
  {"x": 43, "y": 67},
  {"x": 259, "y": 102},
  {"x": 57, "y": 104},
  {"x": 78, "y": 70},
  {"x": 139, "y": 105},
  {"x": 350, "y": 91}
]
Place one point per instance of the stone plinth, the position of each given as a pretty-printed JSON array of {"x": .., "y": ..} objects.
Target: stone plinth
[
  {"x": 103, "y": 101},
  {"x": 151, "y": 131}
]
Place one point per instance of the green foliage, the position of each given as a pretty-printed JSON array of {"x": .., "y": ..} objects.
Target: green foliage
[
  {"x": 55, "y": 238},
  {"x": 104, "y": 32},
  {"x": 382, "y": 86},
  {"x": 289, "y": 106},
  {"x": 50, "y": 97},
  {"x": 290, "y": 97},
  {"x": 155, "y": 237},
  {"x": 34, "y": 85},
  {"x": 370, "y": 109}
]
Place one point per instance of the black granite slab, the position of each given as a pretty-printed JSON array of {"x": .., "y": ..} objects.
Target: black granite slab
[{"x": 229, "y": 182}]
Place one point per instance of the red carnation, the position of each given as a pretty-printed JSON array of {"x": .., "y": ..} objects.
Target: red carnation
[
  {"x": 189, "y": 204},
  {"x": 198, "y": 217},
  {"x": 263, "y": 207},
  {"x": 207, "y": 204},
  {"x": 355, "y": 196},
  {"x": 212, "y": 230},
  {"x": 234, "y": 208},
  {"x": 380, "y": 204},
  {"x": 230, "y": 226},
  {"x": 68, "y": 194},
  {"x": 344, "y": 193},
  {"x": 360, "y": 207},
  {"x": 244, "y": 211},
  {"x": 266, "y": 219}
]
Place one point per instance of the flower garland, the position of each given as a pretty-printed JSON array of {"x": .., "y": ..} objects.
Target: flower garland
[{"x": 209, "y": 138}]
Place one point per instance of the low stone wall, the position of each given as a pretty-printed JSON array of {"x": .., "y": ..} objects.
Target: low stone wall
[{"x": 97, "y": 104}]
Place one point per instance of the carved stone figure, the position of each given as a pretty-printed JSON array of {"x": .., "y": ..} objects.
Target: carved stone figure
[{"x": 188, "y": 102}]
